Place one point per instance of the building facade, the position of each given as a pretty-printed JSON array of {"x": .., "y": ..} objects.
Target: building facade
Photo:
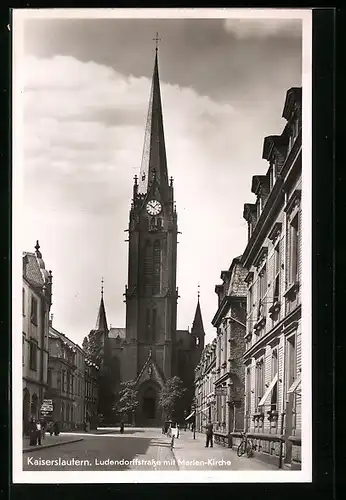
[
  {"x": 229, "y": 322},
  {"x": 36, "y": 304},
  {"x": 205, "y": 377},
  {"x": 273, "y": 259},
  {"x": 72, "y": 382}
]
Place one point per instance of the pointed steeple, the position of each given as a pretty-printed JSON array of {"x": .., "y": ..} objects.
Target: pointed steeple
[
  {"x": 197, "y": 325},
  {"x": 154, "y": 161},
  {"x": 101, "y": 322}
]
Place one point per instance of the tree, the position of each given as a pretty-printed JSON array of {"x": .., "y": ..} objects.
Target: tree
[
  {"x": 128, "y": 400},
  {"x": 171, "y": 398}
]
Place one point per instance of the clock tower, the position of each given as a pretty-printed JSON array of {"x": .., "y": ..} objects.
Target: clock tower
[{"x": 151, "y": 294}]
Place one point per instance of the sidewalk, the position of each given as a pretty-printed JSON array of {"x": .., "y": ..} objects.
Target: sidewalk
[
  {"x": 49, "y": 442},
  {"x": 191, "y": 454}
]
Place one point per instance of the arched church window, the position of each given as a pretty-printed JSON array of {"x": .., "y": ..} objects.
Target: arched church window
[
  {"x": 197, "y": 340},
  {"x": 154, "y": 325},
  {"x": 156, "y": 267},
  {"x": 148, "y": 263},
  {"x": 147, "y": 325}
]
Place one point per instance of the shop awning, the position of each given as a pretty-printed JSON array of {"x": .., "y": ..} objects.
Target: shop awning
[
  {"x": 268, "y": 391},
  {"x": 295, "y": 385},
  {"x": 191, "y": 415}
]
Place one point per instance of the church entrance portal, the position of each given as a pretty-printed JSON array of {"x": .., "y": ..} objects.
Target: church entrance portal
[{"x": 149, "y": 404}]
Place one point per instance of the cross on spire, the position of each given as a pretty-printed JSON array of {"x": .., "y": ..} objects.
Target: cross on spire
[
  {"x": 157, "y": 40},
  {"x": 198, "y": 292},
  {"x": 102, "y": 287}
]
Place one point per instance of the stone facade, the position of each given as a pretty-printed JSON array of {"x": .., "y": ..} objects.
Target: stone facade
[
  {"x": 36, "y": 303},
  {"x": 229, "y": 321},
  {"x": 205, "y": 376},
  {"x": 68, "y": 381},
  {"x": 272, "y": 258}
]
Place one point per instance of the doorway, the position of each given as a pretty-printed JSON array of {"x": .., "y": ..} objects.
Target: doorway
[
  {"x": 149, "y": 404},
  {"x": 26, "y": 410}
]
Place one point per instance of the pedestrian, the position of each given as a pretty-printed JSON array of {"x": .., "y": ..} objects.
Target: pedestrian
[
  {"x": 38, "y": 433},
  {"x": 122, "y": 427},
  {"x": 209, "y": 435},
  {"x": 44, "y": 427},
  {"x": 32, "y": 432},
  {"x": 56, "y": 428}
]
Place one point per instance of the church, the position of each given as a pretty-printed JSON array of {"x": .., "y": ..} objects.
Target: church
[{"x": 150, "y": 349}]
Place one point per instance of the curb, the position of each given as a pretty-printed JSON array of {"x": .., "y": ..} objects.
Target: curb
[{"x": 35, "y": 448}]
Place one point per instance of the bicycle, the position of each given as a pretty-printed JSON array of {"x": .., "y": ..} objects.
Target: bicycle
[{"x": 245, "y": 446}]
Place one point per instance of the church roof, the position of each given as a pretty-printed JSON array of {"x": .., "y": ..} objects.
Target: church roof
[
  {"x": 101, "y": 322},
  {"x": 197, "y": 325},
  {"x": 117, "y": 332},
  {"x": 154, "y": 161}
]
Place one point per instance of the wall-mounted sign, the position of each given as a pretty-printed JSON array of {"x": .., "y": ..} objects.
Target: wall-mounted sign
[{"x": 221, "y": 391}]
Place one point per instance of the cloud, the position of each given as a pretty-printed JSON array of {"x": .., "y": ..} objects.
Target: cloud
[
  {"x": 263, "y": 28},
  {"x": 83, "y": 137}
]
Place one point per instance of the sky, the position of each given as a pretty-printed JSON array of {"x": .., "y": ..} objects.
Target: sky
[{"x": 86, "y": 93}]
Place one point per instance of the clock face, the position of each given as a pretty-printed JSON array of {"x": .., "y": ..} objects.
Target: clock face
[{"x": 154, "y": 207}]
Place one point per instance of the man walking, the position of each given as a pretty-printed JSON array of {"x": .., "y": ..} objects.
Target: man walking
[
  {"x": 38, "y": 432},
  {"x": 209, "y": 435}
]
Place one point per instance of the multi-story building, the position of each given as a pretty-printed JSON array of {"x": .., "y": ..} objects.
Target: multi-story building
[
  {"x": 68, "y": 380},
  {"x": 36, "y": 303},
  {"x": 91, "y": 386},
  {"x": 229, "y": 321},
  {"x": 205, "y": 375},
  {"x": 273, "y": 259}
]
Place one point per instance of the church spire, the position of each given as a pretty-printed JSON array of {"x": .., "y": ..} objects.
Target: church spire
[
  {"x": 154, "y": 161},
  {"x": 197, "y": 325},
  {"x": 101, "y": 322}
]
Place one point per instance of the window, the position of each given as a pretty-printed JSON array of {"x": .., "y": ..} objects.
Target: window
[
  {"x": 274, "y": 394},
  {"x": 147, "y": 325},
  {"x": 259, "y": 381},
  {"x": 293, "y": 133},
  {"x": 250, "y": 300},
  {"x": 248, "y": 391},
  {"x": 63, "y": 381},
  {"x": 290, "y": 361},
  {"x": 258, "y": 207},
  {"x": 197, "y": 340},
  {"x": 293, "y": 249},
  {"x": 58, "y": 381},
  {"x": 262, "y": 290},
  {"x": 276, "y": 297},
  {"x": 33, "y": 355},
  {"x": 23, "y": 348},
  {"x": 154, "y": 325},
  {"x": 23, "y": 301},
  {"x": 156, "y": 267},
  {"x": 225, "y": 343},
  {"x": 34, "y": 305},
  {"x": 49, "y": 377},
  {"x": 148, "y": 265}
]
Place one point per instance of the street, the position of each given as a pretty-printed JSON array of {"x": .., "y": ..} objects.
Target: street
[{"x": 136, "y": 449}]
